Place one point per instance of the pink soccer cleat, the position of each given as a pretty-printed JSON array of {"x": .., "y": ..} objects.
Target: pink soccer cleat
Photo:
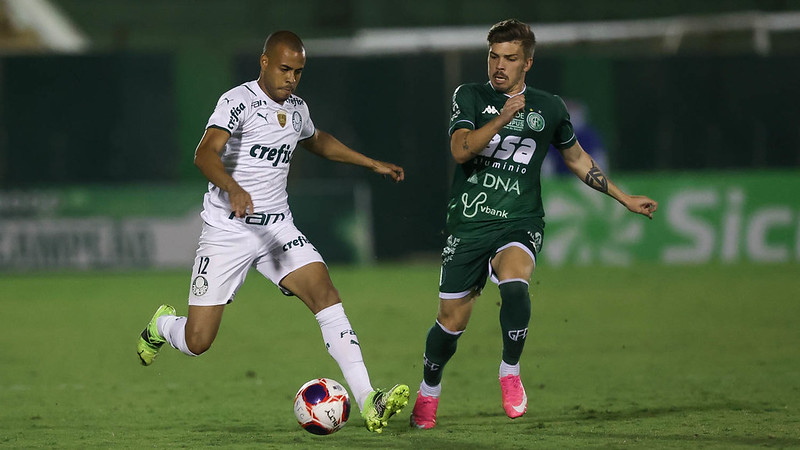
[
  {"x": 424, "y": 414},
  {"x": 515, "y": 401}
]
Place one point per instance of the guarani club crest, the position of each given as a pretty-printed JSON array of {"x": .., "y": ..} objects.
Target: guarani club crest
[{"x": 535, "y": 121}]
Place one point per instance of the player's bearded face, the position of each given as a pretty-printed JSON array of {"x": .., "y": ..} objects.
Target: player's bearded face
[
  {"x": 508, "y": 66},
  {"x": 280, "y": 72}
]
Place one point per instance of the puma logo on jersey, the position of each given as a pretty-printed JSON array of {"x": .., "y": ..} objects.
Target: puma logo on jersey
[{"x": 490, "y": 110}]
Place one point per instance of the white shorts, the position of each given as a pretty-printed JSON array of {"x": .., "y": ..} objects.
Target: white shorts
[{"x": 224, "y": 258}]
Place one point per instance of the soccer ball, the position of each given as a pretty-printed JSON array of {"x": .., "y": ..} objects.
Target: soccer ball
[{"x": 322, "y": 406}]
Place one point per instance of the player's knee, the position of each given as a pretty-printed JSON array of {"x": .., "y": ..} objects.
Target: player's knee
[
  {"x": 198, "y": 344},
  {"x": 322, "y": 299},
  {"x": 453, "y": 322},
  {"x": 454, "y": 314},
  {"x": 516, "y": 301},
  {"x": 331, "y": 297}
]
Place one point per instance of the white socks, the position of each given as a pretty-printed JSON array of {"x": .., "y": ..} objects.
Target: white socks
[
  {"x": 340, "y": 340},
  {"x": 343, "y": 346},
  {"x": 173, "y": 328},
  {"x": 508, "y": 369},
  {"x": 436, "y": 391},
  {"x": 430, "y": 391}
]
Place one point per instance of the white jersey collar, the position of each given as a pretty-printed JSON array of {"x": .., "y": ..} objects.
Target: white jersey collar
[
  {"x": 524, "y": 86},
  {"x": 256, "y": 89}
]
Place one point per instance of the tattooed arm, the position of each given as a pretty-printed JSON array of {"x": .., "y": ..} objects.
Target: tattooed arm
[{"x": 585, "y": 168}]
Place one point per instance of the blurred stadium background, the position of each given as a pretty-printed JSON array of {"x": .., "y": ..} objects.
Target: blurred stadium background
[{"x": 693, "y": 103}]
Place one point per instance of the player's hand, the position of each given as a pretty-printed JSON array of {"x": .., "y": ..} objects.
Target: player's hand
[
  {"x": 512, "y": 107},
  {"x": 388, "y": 169},
  {"x": 241, "y": 203},
  {"x": 641, "y": 205}
]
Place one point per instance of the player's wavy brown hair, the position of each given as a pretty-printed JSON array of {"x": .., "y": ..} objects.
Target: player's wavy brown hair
[{"x": 513, "y": 30}]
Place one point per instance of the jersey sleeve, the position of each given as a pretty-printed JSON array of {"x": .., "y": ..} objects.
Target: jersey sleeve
[
  {"x": 308, "y": 129},
  {"x": 230, "y": 111},
  {"x": 564, "y": 137},
  {"x": 463, "y": 114}
]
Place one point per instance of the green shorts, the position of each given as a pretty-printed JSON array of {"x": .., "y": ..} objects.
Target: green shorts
[{"x": 466, "y": 262}]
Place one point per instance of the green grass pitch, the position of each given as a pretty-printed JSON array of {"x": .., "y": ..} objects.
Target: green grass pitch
[{"x": 640, "y": 357}]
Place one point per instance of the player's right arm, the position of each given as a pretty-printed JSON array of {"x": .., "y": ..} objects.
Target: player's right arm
[
  {"x": 207, "y": 159},
  {"x": 466, "y": 144}
]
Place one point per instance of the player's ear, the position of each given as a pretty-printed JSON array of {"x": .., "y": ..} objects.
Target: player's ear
[
  {"x": 528, "y": 64},
  {"x": 263, "y": 61}
]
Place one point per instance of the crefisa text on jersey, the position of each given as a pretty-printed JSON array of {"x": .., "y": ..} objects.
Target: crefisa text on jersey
[
  {"x": 296, "y": 101},
  {"x": 272, "y": 154},
  {"x": 235, "y": 111},
  {"x": 299, "y": 242}
]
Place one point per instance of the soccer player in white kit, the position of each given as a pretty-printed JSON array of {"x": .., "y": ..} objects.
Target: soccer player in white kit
[{"x": 245, "y": 153}]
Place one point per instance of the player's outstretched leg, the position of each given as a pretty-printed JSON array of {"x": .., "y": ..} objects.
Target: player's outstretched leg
[
  {"x": 150, "y": 341},
  {"x": 424, "y": 414},
  {"x": 515, "y": 401},
  {"x": 381, "y": 405}
]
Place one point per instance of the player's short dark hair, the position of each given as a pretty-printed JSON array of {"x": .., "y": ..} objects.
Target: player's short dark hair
[
  {"x": 286, "y": 38},
  {"x": 513, "y": 30}
]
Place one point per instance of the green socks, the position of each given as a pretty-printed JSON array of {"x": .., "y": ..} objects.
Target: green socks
[
  {"x": 439, "y": 348},
  {"x": 515, "y": 314}
]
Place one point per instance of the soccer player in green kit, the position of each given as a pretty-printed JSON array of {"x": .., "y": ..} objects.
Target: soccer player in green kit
[{"x": 499, "y": 134}]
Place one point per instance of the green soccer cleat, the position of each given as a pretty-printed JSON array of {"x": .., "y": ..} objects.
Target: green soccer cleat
[
  {"x": 380, "y": 406},
  {"x": 150, "y": 341}
]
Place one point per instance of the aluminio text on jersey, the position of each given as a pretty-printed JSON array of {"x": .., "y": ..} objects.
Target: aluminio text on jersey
[{"x": 509, "y": 150}]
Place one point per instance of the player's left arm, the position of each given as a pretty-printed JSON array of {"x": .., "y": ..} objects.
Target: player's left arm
[
  {"x": 327, "y": 146},
  {"x": 585, "y": 168}
]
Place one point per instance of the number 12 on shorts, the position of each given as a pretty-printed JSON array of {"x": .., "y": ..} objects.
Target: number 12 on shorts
[{"x": 202, "y": 264}]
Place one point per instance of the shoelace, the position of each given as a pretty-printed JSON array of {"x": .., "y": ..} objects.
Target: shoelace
[{"x": 380, "y": 403}]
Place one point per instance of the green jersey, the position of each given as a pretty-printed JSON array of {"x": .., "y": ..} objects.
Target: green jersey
[{"x": 501, "y": 186}]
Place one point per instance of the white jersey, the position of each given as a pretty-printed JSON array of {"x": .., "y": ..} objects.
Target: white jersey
[{"x": 264, "y": 137}]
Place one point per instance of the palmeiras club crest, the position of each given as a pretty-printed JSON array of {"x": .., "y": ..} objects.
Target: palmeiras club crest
[
  {"x": 199, "y": 285},
  {"x": 297, "y": 121}
]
